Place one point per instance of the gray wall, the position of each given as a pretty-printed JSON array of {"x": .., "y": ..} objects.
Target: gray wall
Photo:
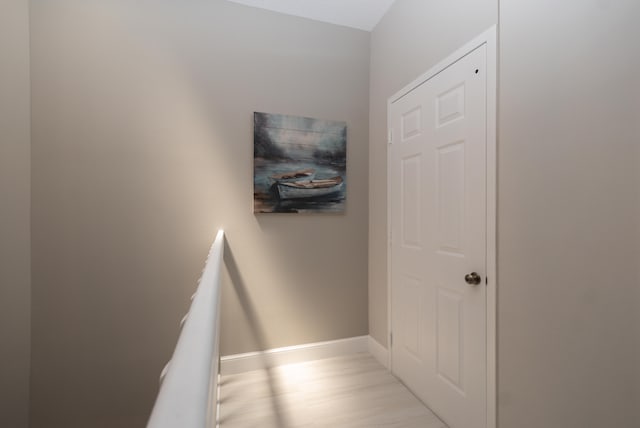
[
  {"x": 568, "y": 213},
  {"x": 142, "y": 148},
  {"x": 637, "y": 322},
  {"x": 15, "y": 282},
  {"x": 568, "y": 218},
  {"x": 413, "y": 36}
]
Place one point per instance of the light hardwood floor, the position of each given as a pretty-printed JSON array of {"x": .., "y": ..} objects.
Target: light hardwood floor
[{"x": 342, "y": 392}]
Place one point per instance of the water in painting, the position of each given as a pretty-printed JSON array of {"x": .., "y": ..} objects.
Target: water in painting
[{"x": 300, "y": 164}]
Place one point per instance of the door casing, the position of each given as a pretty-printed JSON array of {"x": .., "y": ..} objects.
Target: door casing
[{"x": 490, "y": 39}]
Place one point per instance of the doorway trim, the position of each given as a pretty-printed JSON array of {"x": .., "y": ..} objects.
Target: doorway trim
[{"x": 490, "y": 39}]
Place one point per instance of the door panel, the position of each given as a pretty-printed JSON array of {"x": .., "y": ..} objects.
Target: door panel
[
  {"x": 450, "y": 200},
  {"x": 410, "y": 318},
  {"x": 410, "y": 193},
  {"x": 437, "y": 203},
  {"x": 449, "y": 338}
]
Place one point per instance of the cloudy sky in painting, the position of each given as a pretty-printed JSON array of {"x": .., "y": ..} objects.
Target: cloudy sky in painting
[{"x": 300, "y": 136}]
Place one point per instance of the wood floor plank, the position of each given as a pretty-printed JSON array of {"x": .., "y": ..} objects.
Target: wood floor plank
[{"x": 353, "y": 391}]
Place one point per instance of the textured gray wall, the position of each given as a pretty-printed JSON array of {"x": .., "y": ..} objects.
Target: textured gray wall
[
  {"x": 568, "y": 214},
  {"x": 413, "y": 36},
  {"x": 142, "y": 148},
  {"x": 15, "y": 282}
]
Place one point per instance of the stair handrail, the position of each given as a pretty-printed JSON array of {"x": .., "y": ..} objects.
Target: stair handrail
[{"x": 188, "y": 392}]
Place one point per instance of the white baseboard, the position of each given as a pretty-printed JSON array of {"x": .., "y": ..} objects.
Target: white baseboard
[
  {"x": 378, "y": 351},
  {"x": 239, "y": 363}
]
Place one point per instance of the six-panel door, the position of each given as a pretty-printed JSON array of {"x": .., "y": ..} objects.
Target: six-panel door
[{"x": 438, "y": 228}]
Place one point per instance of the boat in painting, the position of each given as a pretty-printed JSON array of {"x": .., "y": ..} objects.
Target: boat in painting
[
  {"x": 291, "y": 176},
  {"x": 310, "y": 188}
]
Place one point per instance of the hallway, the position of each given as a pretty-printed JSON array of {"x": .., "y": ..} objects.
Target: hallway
[
  {"x": 349, "y": 391},
  {"x": 128, "y": 138}
]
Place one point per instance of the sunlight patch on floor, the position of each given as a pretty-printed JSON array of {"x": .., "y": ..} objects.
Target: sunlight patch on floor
[{"x": 349, "y": 391}]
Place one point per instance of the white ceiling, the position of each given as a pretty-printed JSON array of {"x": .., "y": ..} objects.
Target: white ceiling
[{"x": 361, "y": 14}]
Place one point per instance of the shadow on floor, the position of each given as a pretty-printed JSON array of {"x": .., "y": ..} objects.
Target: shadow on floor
[{"x": 257, "y": 331}]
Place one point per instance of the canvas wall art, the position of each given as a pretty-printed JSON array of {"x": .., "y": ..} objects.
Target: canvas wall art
[{"x": 300, "y": 164}]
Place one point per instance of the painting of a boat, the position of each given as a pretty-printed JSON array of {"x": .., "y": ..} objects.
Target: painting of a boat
[
  {"x": 310, "y": 188},
  {"x": 299, "y": 164},
  {"x": 291, "y": 176}
]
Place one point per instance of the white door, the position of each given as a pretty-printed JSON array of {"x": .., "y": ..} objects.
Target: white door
[{"x": 437, "y": 177}]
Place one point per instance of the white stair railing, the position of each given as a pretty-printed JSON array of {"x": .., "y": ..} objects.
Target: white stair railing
[{"x": 188, "y": 394}]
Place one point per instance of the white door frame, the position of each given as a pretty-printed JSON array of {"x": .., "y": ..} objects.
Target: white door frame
[{"x": 488, "y": 38}]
